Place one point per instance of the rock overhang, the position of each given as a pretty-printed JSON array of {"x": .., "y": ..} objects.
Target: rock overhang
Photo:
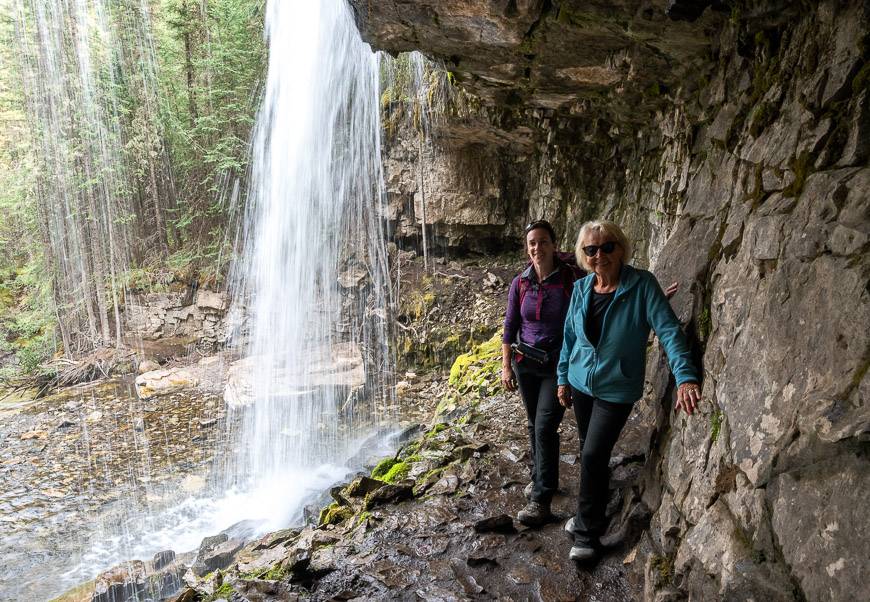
[{"x": 613, "y": 59}]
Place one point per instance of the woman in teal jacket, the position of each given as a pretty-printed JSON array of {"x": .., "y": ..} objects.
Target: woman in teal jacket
[{"x": 603, "y": 360}]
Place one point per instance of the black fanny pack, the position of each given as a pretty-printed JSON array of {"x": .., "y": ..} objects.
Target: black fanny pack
[{"x": 535, "y": 354}]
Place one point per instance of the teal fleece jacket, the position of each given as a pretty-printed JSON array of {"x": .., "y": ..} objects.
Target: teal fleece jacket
[{"x": 614, "y": 371}]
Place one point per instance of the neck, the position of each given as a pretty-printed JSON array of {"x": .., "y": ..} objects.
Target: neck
[
  {"x": 544, "y": 269},
  {"x": 608, "y": 279}
]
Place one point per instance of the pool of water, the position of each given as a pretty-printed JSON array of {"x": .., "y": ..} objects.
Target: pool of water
[{"x": 94, "y": 476}]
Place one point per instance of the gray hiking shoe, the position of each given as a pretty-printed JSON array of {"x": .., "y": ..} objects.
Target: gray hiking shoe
[
  {"x": 534, "y": 514},
  {"x": 582, "y": 551},
  {"x": 527, "y": 491}
]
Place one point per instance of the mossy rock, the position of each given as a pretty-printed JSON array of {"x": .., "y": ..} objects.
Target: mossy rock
[
  {"x": 397, "y": 472},
  {"x": 362, "y": 486},
  {"x": 334, "y": 514},
  {"x": 664, "y": 568},
  {"x": 479, "y": 368},
  {"x": 389, "y": 494},
  {"x": 437, "y": 429},
  {"x": 383, "y": 467}
]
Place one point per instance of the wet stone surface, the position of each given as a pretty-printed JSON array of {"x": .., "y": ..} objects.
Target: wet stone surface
[
  {"x": 70, "y": 461},
  {"x": 446, "y": 543}
]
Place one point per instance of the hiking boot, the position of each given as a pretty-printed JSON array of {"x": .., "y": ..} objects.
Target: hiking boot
[
  {"x": 527, "y": 491},
  {"x": 534, "y": 514},
  {"x": 582, "y": 551}
]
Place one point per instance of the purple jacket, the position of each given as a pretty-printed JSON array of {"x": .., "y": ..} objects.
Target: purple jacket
[{"x": 541, "y": 319}]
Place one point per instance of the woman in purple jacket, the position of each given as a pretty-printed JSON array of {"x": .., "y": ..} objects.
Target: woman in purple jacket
[{"x": 537, "y": 305}]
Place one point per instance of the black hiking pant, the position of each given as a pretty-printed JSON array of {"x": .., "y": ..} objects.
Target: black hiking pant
[
  {"x": 599, "y": 424},
  {"x": 537, "y": 385}
]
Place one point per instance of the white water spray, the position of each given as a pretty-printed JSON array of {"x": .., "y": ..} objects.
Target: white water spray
[
  {"x": 314, "y": 283},
  {"x": 314, "y": 275}
]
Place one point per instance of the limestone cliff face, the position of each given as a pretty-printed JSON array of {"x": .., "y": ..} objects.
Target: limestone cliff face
[{"x": 731, "y": 141}]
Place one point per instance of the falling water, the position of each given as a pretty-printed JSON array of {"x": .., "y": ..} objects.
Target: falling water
[
  {"x": 313, "y": 282},
  {"x": 102, "y": 174},
  {"x": 314, "y": 277}
]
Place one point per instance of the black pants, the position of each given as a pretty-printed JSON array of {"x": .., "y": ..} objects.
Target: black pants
[
  {"x": 537, "y": 386},
  {"x": 599, "y": 424}
]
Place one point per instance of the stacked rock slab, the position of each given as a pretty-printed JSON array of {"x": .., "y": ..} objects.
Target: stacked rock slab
[{"x": 731, "y": 141}]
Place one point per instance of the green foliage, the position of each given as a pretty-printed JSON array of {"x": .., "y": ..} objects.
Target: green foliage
[
  {"x": 716, "y": 419},
  {"x": 435, "y": 430},
  {"x": 26, "y": 316},
  {"x": 212, "y": 61},
  {"x": 225, "y": 591}
]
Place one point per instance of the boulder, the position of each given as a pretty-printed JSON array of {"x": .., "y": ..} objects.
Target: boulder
[
  {"x": 211, "y": 300},
  {"x": 147, "y": 366},
  {"x": 123, "y": 582},
  {"x": 388, "y": 494},
  {"x": 340, "y": 365},
  {"x": 215, "y": 553},
  {"x": 164, "y": 380},
  {"x": 162, "y": 559}
]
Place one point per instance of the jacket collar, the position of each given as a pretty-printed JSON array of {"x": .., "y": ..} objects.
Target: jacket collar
[{"x": 530, "y": 275}]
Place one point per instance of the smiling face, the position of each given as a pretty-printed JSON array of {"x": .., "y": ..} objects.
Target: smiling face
[
  {"x": 603, "y": 263},
  {"x": 540, "y": 247}
]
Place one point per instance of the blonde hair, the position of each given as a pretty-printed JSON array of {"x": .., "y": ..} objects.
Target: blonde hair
[{"x": 610, "y": 230}]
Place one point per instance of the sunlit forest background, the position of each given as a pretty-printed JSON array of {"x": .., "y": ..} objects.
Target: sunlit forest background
[{"x": 96, "y": 202}]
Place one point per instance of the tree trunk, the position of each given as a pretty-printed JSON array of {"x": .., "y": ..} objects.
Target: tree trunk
[{"x": 188, "y": 65}]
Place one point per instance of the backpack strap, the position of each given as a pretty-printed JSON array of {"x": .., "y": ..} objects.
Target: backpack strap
[
  {"x": 568, "y": 278},
  {"x": 524, "y": 288},
  {"x": 569, "y": 274}
]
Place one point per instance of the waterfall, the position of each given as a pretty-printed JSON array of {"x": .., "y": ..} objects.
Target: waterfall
[
  {"x": 314, "y": 276},
  {"x": 311, "y": 284}
]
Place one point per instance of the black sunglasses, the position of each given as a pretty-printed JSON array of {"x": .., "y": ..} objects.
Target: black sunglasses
[{"x": 607, "y": 248}]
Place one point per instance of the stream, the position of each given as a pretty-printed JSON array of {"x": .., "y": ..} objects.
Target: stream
[{"x": 93, "y": 476}]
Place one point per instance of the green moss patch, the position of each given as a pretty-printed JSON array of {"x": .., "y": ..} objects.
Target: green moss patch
[
  {"x": 481, "y": 367},
  {"x": 383, "y": 467},
  {"x": 334, "y": 514},
  {"x": 716, "y": 420},
  {"x": 397, "y": 472},
  {"x": 664, "y": 570}
]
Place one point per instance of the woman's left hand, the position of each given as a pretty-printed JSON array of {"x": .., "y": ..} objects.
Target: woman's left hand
[
  {"x": 671, "y": 290},
  {"x": 688, "y": 396}
]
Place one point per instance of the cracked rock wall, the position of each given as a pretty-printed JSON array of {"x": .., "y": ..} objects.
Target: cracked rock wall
[{"x": 731, "y": 141}]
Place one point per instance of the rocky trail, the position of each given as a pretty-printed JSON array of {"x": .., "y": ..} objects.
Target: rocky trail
[{"x": 437, "y": 527}]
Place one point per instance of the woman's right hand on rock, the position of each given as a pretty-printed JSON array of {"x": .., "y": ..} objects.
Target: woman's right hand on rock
[
  {"x": 564, "y": 395},
  {"x": 508, "y": 380}
]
